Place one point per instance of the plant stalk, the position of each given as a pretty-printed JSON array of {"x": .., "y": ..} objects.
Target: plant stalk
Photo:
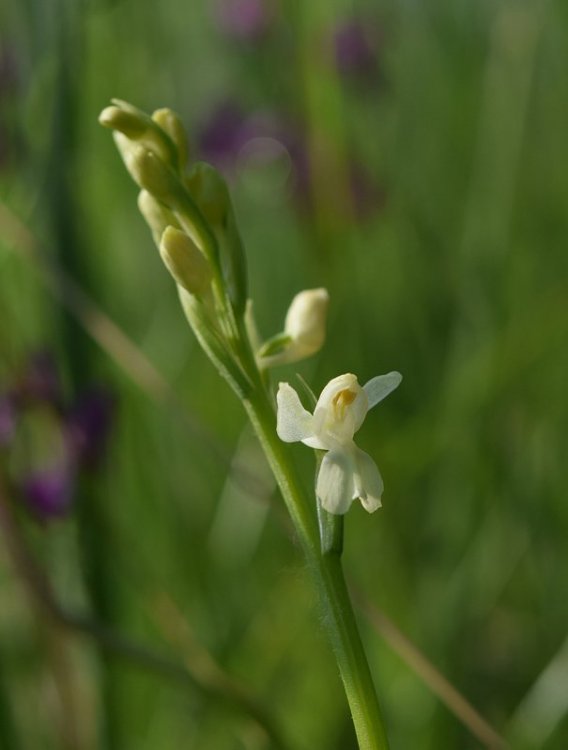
[{"x": 327, "y": 573}]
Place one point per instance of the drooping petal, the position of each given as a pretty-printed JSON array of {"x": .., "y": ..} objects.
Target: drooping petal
[
  {"x": 293, "y": 422},
  {"x": 335, "y": 483},
  {"x": 379, "y": 388},
  {"x": 319, "y": 443},
  {"x": 368, "y": 481}
]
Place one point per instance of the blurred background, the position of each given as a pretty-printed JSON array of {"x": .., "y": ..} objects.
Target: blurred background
[{"x": 410, "y": 157}]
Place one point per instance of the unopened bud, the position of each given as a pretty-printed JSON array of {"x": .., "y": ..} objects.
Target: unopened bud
[
  {"x": 186, "y": 263},
  {"x": 148, "y": 170},
  {"x": 209, "y": 191},
  {"x": 157, "y": 216},
  {"x": 304, "y": 330},
  {"x": 131, "y": 125},
  {"x": 128, "y": 150},
  {"x": 172, "y": 126},
  {"x": 306, "y": 318},
  {"x": 139, "y": 127}
]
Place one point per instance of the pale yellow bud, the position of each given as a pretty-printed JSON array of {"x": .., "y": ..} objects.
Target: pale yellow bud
[
  {"x": 171, "y": 124},
  {"x": 186, "y": 263},
  {"x": 148, "y": 170},
  {"x": 125, "y": 122},
  {"x": 157, "y": 216},
  {"x": 128, "y": 150},
  {"x": 304, "y": 330},
  {"x": 305, "y": 322},
  {"x": 136, "y": 125}
]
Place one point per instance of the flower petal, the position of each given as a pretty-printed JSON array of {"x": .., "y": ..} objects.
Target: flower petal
[
  {"x": 335, "y": 483},
  {"x": 379, "y": 388},
  {"x": 368, "y": 481},
  {"x": 316, "y": 442},
  {"x": 293, "y": 422}
]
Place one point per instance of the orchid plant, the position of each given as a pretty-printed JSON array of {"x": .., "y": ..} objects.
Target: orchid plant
[{"x": 190, "y": 215}]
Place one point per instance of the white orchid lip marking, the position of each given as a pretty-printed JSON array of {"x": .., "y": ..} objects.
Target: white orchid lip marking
[
  {"x": 341, "y": 401},
  {"x": 346, "y": 472}
]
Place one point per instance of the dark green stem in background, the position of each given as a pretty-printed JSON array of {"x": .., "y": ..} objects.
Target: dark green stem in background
[
  {"x": 7, "y": 726},
  {"x": 203, "y": 675},
  {"x": 71, "y": 245}
]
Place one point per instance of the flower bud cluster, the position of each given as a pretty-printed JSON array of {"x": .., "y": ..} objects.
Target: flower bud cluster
[
  {"x": 192, "y": 221},
  {"x": 188, "y": 213}
]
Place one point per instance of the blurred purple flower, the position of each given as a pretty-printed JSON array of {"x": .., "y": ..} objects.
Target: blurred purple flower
[
  {"x": 67, "y": 439},
  {"x": 88, "y": 426},
  {"x": 244, "y": 20},
  {"x": 49, "y": 492},
  {"x": 229, "y": 133},
  {"x": 356, "y": 51},
  {"x": 40, "y": 380},
  {"x": 220, "y": 138},
  {"x": 228, "y": 130}
]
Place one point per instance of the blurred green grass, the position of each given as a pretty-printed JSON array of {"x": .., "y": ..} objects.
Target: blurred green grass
[{"x": 459, "y": 279}]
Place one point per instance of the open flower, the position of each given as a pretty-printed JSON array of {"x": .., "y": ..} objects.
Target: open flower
[{"x": 346, "y": 472}]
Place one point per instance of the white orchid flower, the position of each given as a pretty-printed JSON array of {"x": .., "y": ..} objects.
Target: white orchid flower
[{"x": 346, "y": 472}]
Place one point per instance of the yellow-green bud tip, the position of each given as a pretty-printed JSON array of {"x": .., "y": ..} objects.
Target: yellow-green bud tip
[
  {"x": 157, "y": 216},
  {"x": 185, "y": 262},
  {"x": 148, "y": 170},
  {"x": 125, "y": 122},
  {"x": 172, "y": 125}
]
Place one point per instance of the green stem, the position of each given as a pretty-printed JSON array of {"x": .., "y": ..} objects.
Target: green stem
[
  {"x": 327, "y": 572},
  {"x": 331, "y": 529}
]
